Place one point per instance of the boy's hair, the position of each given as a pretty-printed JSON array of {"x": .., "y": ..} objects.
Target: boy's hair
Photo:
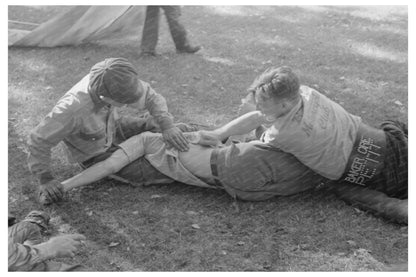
[{"x": 279, "y": 83}]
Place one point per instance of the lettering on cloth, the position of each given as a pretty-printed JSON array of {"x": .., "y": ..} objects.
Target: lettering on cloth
[
  {"x": 307, "y": 128},
  {"x": 318, "y": 116},
  {"x": 367, "y": 158}
]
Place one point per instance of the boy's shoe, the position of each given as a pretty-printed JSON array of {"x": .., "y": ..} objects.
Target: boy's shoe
[{"x": 188, "y": 49}]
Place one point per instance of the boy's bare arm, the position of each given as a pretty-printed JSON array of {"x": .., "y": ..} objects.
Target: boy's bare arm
[{"x": 239, "y": 126}]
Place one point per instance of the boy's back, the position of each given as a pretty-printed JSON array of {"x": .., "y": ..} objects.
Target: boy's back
[{"x": 318, "y": 131}]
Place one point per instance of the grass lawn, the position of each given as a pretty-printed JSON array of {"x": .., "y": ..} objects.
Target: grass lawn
[{"x": 357, "y": 56}]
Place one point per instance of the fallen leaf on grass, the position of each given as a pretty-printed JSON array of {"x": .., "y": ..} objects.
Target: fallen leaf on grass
[
  {"x": 191, "y": 213},
  {"x": 352, "y": 243},
  {"x": 196, "y": 226},
  {"x": 154, "y": 196},
  {"x": 113, "y": 244},
  {"x": 358, "y": 211},
  {"x": 398, "y": 103}
]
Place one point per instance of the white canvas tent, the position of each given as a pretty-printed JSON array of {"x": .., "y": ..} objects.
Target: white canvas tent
[{"x": 79, "y": 25}]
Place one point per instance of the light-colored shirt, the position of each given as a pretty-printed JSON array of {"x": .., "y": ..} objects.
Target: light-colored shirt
[
  {"x": 86, "y": 130},
  {"x": 318, "y": 131}
]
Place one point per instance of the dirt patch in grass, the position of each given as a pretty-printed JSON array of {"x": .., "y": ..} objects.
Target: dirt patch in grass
[{"x": 355, "y": 55}]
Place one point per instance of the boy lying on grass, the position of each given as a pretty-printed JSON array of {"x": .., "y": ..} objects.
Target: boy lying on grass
[{"x": 249, "y": 171}]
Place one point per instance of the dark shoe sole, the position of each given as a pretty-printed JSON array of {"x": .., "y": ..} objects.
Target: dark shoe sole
[
  {"x": 189, "y": 50},
  {"x": 148, "y": 54}
]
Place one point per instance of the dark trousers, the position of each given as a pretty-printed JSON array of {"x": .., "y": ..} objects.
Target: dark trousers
[
  {"x": 151, "y": 27},
  {"x": 393, "y": 180},
  {"x": 387, "y": 194}
]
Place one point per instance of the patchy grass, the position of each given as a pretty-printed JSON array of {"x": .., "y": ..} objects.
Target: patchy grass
[{"x": 356, "y": 55}]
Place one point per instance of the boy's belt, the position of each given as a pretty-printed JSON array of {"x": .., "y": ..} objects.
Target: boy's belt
[
  {"x": 367, "y": 156},
  {"x": 214, "y": 168}
]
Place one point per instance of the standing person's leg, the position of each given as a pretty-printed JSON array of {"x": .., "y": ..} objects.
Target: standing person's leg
[
  {"x": 177, "y": 30},
  {"x": 150, "y": 30}
]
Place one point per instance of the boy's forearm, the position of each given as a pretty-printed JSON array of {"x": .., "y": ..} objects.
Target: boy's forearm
[{"x": 240, "y": 126}]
